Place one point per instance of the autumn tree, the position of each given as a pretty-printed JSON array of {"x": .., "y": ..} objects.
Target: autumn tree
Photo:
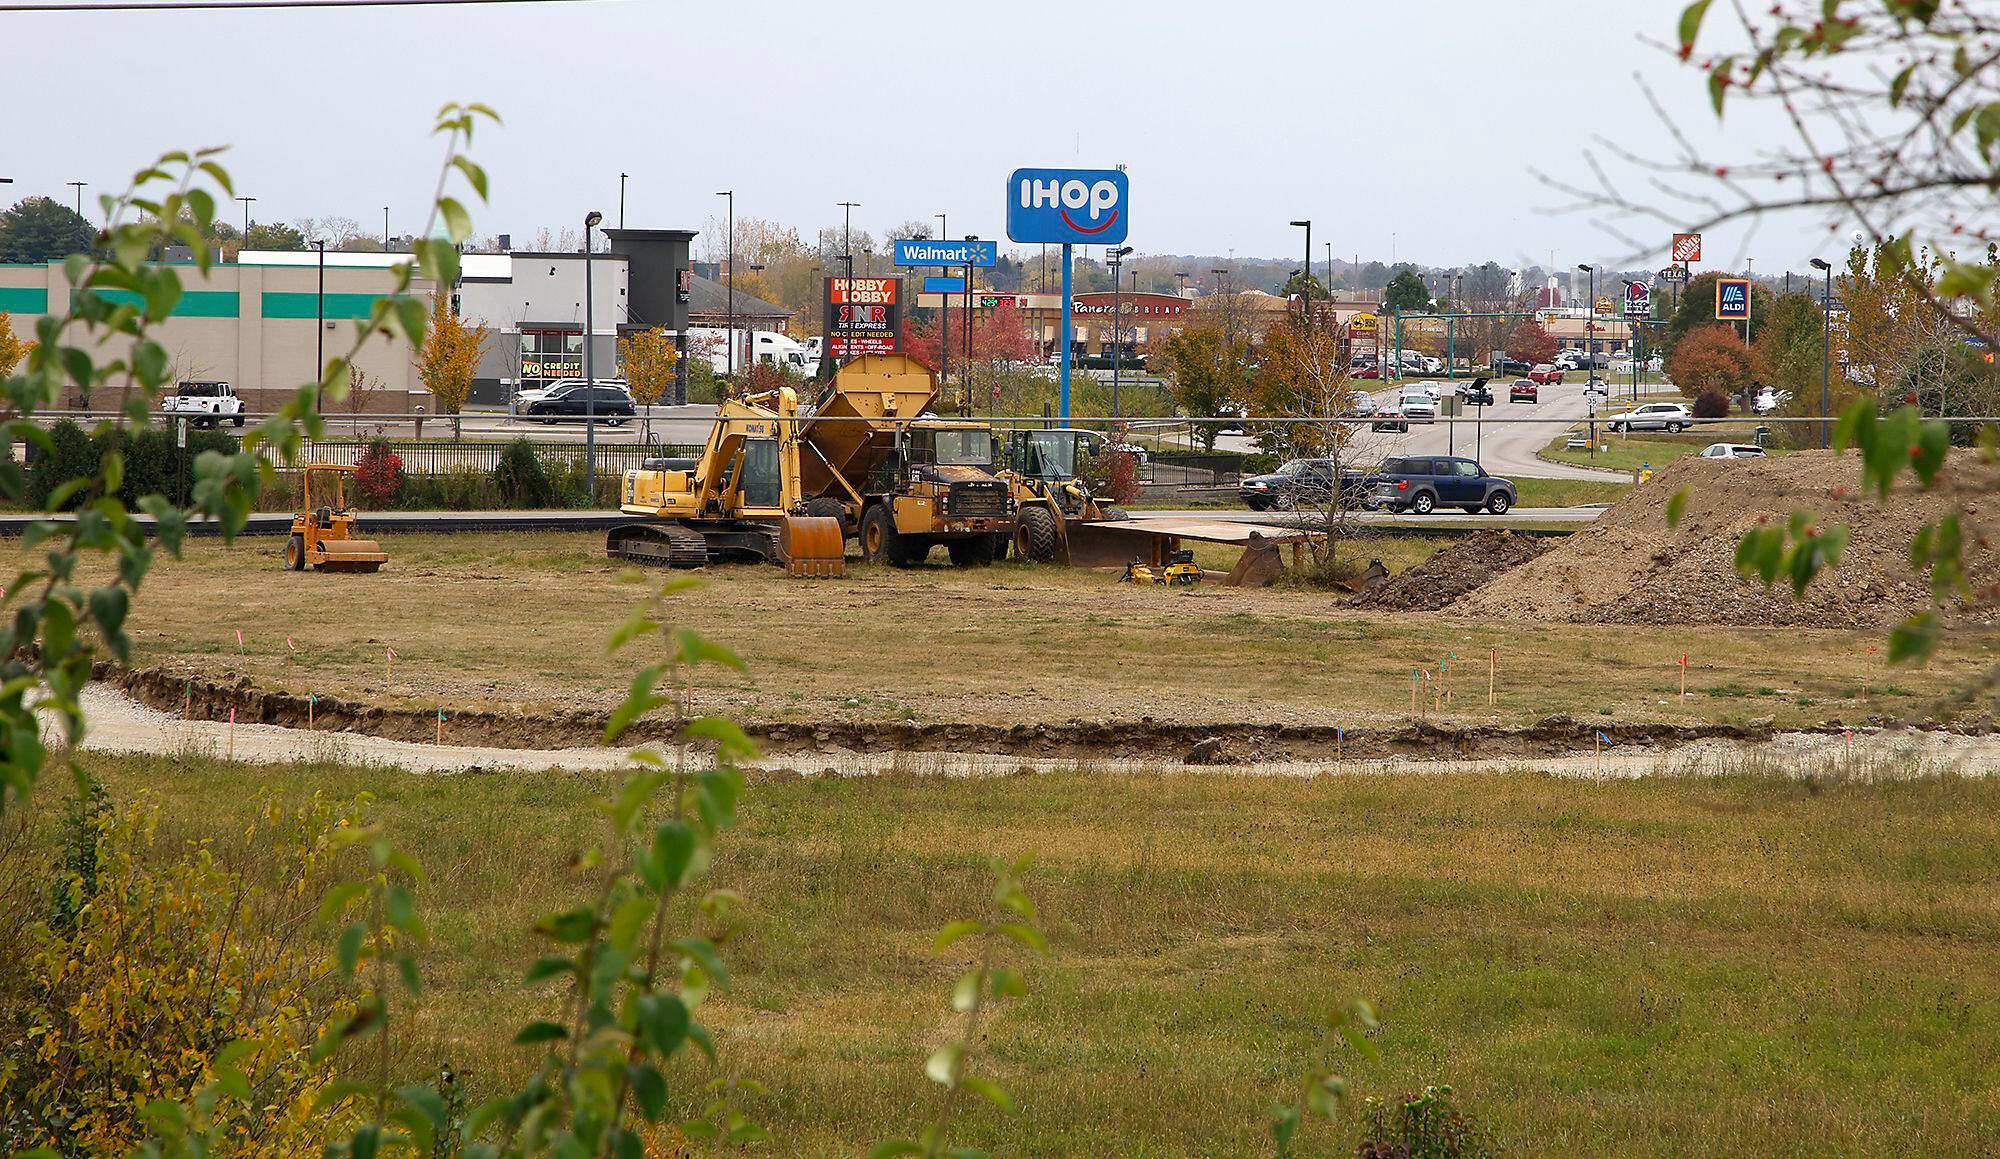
[
  {"x": 12, "y": 349},
  {"x": 1302, "y": 376},
  {"x": 650, "y": 363},
  {"x": 449, "y": 357},
  {"x": 1712, "y": 358},
  {"x": 1531, "y": 342},
  {"x": 1789, "y": 354},
  {"x": 1694, "y": 309},
  {"x": 1206, "y": 373},
  {"x": 362, "y": 387}
]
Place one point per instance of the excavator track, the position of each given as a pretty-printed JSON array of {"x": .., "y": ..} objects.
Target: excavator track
[{"x": 657, "y": 545}]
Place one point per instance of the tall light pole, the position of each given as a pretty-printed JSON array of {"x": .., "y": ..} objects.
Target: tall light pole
[
  {"x": 1181, "y": 278},
  {"x": 731, "y": 195},
  {"x": 1590, "y": 320},
  {"x": 1228, "y": 308},
  {"x": 319, "y": 327},
  {"x": 1329, "y": 271},
  {"x": 78, "y": 186},
  {"x": 621, "y": 199},
  {"x": 246, "y": 221},
  {"x": 590, "y": 221},
  {"x": 944, "y": 317},
  {"x": 385, "y": 229},
  {"x": 1826, "y": 347},
  {"x": 847, "y": 270},
  {"x": 966, "y": 375},
  {"x": 1306, "y": 273},
  {"x": 1116, "y": 260}
]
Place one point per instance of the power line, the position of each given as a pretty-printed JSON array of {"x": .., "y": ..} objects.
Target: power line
[{"x": 192, "y": 5}]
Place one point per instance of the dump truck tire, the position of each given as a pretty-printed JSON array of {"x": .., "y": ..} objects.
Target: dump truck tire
[
  {"x": 1000, "y": 545},
  {"x": 910, "y": 550},
  {"x": 295, "y": 553},
  {"x": 974, "y": 552},
  {"x": 878, "y": 535},
  {"x": 827, "y": 507},
  {"x": 1035, "y": 535}
]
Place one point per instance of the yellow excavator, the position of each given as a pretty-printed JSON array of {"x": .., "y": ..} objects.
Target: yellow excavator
[{"x": 739, "y": 500}]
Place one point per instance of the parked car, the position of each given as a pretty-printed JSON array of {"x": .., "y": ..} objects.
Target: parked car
[
  {"x": 1360, "y": 405},
  {"x": 204, "y": 402},
  {"x": 1433, "y": 365},
  {"x": 1421, "y": 483},
  {"x": 1597, "y": 386},
  {"x": 1768, "y": 400},
  {"x": 1732, "y": 451},
  {"x": 1417, "y": 405},
  {"x": 1547, "y": 374},
  {"x": 1389, "y": 420},
  {"x": 1476, "y": 393},
  {"x": 1369, "y": 370},
  {"x": 609, "y": 403},
  {"x": 1654, "y": 416},
  {"x": 1233, "y": 417},
  {"x": 1511, "y": 366},
  {"x": 1524, "y": 390},
  {"x": 525, "y": 396},
  {"x": 1304, "y": 483}
]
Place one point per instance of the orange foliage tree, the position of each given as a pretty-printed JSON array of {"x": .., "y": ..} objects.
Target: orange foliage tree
[
  {"x": 1712, "y": 358},
  {"x": 1531, "y": 342},
  {"x": 449, "y": 357}
]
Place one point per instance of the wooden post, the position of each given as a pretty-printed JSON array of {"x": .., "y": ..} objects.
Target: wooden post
[
  {"x": 312, "y": 700},
  {"x": 1597, "y": 757},
  {"x": 1415, "y": 712},
  {"x": 1684, "y": 677},
  {"x": 232, "y": 734},
  {"x": 1492, "y": 663},
  {"x": 440, "y": 732},
  {"x": 187, "y": 702},
  {"x": 389, "y": 665}
]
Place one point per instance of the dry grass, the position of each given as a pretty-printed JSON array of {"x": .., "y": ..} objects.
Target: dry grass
[
  {"x": 1741, "y": 966},
  {"x": 518, "y": 621}
]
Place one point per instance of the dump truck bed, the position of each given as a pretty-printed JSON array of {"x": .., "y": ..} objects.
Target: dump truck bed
[{"x": 853, "y": 431}]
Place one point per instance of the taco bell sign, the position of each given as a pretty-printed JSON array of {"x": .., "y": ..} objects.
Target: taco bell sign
[{"x": 1067, "y": 206}]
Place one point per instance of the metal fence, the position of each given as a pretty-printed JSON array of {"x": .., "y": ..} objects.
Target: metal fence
[
  {"x": 1191, "y": 470},
  {"x": 431, "y": 458}
]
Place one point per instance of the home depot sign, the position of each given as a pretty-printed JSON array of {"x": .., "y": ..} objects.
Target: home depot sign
[{"x": 864, "y": 316}]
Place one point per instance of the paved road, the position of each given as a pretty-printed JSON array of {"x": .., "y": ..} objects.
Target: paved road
[{"x": 1296, "y": 518}]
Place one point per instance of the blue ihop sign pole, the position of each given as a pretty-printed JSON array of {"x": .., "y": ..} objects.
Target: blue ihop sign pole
[{"x": 1066, "y": 207}]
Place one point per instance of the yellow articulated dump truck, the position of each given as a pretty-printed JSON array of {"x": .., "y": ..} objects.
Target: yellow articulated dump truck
[{"x": 903, "y": 482}]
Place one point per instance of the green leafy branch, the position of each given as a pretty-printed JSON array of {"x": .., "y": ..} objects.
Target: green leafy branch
[
  {"x": 1010, "y": 922},
  {"x": 1323, "y": 1090}
]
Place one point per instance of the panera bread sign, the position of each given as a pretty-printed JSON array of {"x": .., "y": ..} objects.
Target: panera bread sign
[{"x": 1130, "y": 305}]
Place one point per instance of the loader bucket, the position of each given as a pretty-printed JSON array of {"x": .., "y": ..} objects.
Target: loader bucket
[
  {"x": 352, "y": 555},
  {"x": 811, "y": 547},
  {"x": 1095, "y": 544}
]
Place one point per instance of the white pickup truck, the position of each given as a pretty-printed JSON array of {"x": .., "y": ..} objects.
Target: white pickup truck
[{"x": 205, "y": 402}]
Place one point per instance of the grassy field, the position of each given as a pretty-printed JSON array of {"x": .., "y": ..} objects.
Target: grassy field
[
  {"x": 519, "y": 622},
  {"x": 1568, "y": 492},
  {"x": 1619, "y": 452},
  {"x": 1739, "y": 966}
]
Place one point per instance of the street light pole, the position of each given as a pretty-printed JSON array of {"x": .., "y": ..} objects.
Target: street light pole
[
  {"x": 1181, "y": 288},
  {"x": 731, "y": 195},
  {"x": 1826, "y": 347},
  {"x": 319, "y": 327},
  {"x": 1116, "y": 260},
  {"x": 847, "y": 273},
  {"x": 590, "y": 221},
  {"x": 385, "y": 229},
  {"x": 79, "y": 187},
  {"x": 621, "y": 199},
  {"x": 944, "y": 316},
  {"x": 1305, "y": 274},
  {"x": 1590, "y": 322},
  {"x": 246, "y": 221}
]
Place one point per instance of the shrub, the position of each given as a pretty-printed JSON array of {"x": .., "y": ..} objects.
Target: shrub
[
  {"x": 154, "y": 465},
  {"x": 1711, "y": 404},
  {"x": 1114, "y": 475},
  {"x": 520, "y": 478},
  {"x": 75, "y": 456},
  {"x": 378, "y": 475},
  {"x": 1422, "y": 1126}
]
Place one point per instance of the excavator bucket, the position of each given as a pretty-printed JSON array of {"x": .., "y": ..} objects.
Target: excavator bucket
[
  {"x": 811, "y": 547},
  {"x": 1099, "y": 544},
  {"x": 352, "y": 555}
]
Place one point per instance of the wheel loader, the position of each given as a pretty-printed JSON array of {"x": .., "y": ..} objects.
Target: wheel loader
[
  {"x": 1056, "y": 510},
  {"x": 323, "y": 527}
]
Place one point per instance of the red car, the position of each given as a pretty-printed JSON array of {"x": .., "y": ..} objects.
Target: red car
[
  {"x": 1546, "y": 375},
  {"x": 1524, "y": 391},
  {"x": 1369, "y": 371}
]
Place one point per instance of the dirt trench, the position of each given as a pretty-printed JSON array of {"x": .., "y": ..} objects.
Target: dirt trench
[{"x": 177, "y": 694}]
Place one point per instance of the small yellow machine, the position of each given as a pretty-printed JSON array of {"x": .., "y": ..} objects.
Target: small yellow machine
[
  {"x": 323, "y": 527},
  {"x": 1180, "y": 570}
]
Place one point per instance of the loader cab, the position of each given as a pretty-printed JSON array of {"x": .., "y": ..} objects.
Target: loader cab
[
  {"x": 1046, "y": 454},
  {"x": 950, "y": 446}
]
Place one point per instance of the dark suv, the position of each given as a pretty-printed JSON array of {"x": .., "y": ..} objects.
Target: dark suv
[
  {"x": 608, "y": 403},
  {"x": 1422, "y": 483},
  {"x": 1303, "y": 483}
]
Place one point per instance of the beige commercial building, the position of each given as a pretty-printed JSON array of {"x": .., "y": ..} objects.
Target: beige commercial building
[{"x": 260, "y": 326}]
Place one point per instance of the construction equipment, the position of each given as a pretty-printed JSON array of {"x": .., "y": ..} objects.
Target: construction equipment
[
  {"x": 900, "y": 481},
  {"x": 1054, "y": 506},
  {"x": 1180, "y": 570},
  {"x": 788, "y": 484},
  {"x": 323, "y": 527},
  {"x": 739, "y": 500}
]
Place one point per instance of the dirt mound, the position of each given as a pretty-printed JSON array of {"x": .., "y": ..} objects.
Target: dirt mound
[
  {"x": 1451, "y": 573},
  {"x": 1630, "y": 567}
]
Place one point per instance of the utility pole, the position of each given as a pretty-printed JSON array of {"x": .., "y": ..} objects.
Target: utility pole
[
  {"x": 731, "y": 195},
  {"x": 944, "y": 315},
  {"x": 621, "y": 199},
  {"x": 847, "y": 269},
  {"x": 246, "y": 222},
  {"x": 78, "y": 186},
  {"x": 590, "y": 221},
  {"x": 1826, "y": 347}
]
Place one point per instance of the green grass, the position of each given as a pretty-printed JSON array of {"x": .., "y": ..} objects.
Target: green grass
[
  {"x": 1738, "y": 966},
  {"x": 1567, "y": 492},
  {"x": 1621, "y": 452}
]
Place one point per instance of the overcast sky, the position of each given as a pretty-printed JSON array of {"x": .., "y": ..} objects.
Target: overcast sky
[{"x": 1407, "y": 127}]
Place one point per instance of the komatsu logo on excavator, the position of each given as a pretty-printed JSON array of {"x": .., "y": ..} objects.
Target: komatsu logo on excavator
[{"x": 1067, "y": 205}]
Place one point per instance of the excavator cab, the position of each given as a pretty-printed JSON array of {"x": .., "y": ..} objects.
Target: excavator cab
[{"x": 323, "y": 527}]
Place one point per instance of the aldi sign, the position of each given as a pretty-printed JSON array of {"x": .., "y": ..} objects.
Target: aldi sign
[
  {"x": 1067, "y": 206},
  {"x": 1732, "y": 300}
]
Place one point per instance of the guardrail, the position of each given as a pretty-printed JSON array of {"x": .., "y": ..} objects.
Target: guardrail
[{"x": 429, "y": 458}]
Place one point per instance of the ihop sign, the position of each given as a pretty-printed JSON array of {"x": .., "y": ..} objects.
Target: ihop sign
[{"x": 1067, "y": 206}]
